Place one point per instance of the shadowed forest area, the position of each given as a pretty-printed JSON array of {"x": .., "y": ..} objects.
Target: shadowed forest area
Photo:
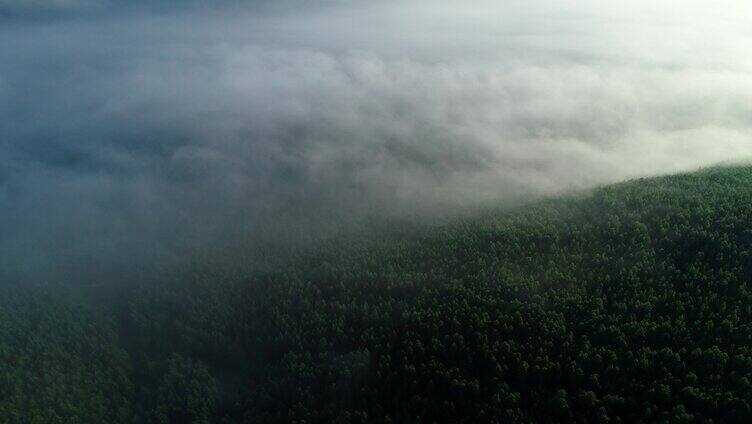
[{"x": 629, "y": 304}]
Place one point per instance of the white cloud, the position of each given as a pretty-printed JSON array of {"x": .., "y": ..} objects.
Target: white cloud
[{"x": 184, "y": 130}]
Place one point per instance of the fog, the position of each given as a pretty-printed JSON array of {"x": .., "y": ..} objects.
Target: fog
[{"x": 135, "y": 133}]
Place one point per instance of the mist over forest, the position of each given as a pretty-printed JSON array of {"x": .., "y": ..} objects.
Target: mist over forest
[
  {"x": 135, "y": 132},
  {"x": 405, "y": 211}
]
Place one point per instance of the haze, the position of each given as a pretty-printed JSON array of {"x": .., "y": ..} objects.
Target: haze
[{"x": 135, "y": 132}]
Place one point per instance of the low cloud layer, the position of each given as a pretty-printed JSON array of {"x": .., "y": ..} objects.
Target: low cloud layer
[{"x": 129, "y": 137}]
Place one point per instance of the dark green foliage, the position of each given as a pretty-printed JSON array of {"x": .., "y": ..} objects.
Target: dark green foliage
[
  {"x": 632, "y": 304},
  {"x": 187, "y": 392},
  {"x": 59, "y": 363}
]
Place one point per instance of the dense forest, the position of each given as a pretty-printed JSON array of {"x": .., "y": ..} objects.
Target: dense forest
[{"x": 630, "y": 303}]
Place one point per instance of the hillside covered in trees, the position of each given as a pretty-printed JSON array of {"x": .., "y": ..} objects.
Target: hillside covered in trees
[{"x": 632, "y": 303}]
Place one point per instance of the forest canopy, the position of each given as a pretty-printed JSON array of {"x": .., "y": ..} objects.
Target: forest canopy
[{"x": 631, "y": 303}]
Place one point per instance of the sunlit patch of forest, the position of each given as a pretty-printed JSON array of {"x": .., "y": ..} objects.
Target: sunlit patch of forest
[{"x": 629, "y": 304}]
